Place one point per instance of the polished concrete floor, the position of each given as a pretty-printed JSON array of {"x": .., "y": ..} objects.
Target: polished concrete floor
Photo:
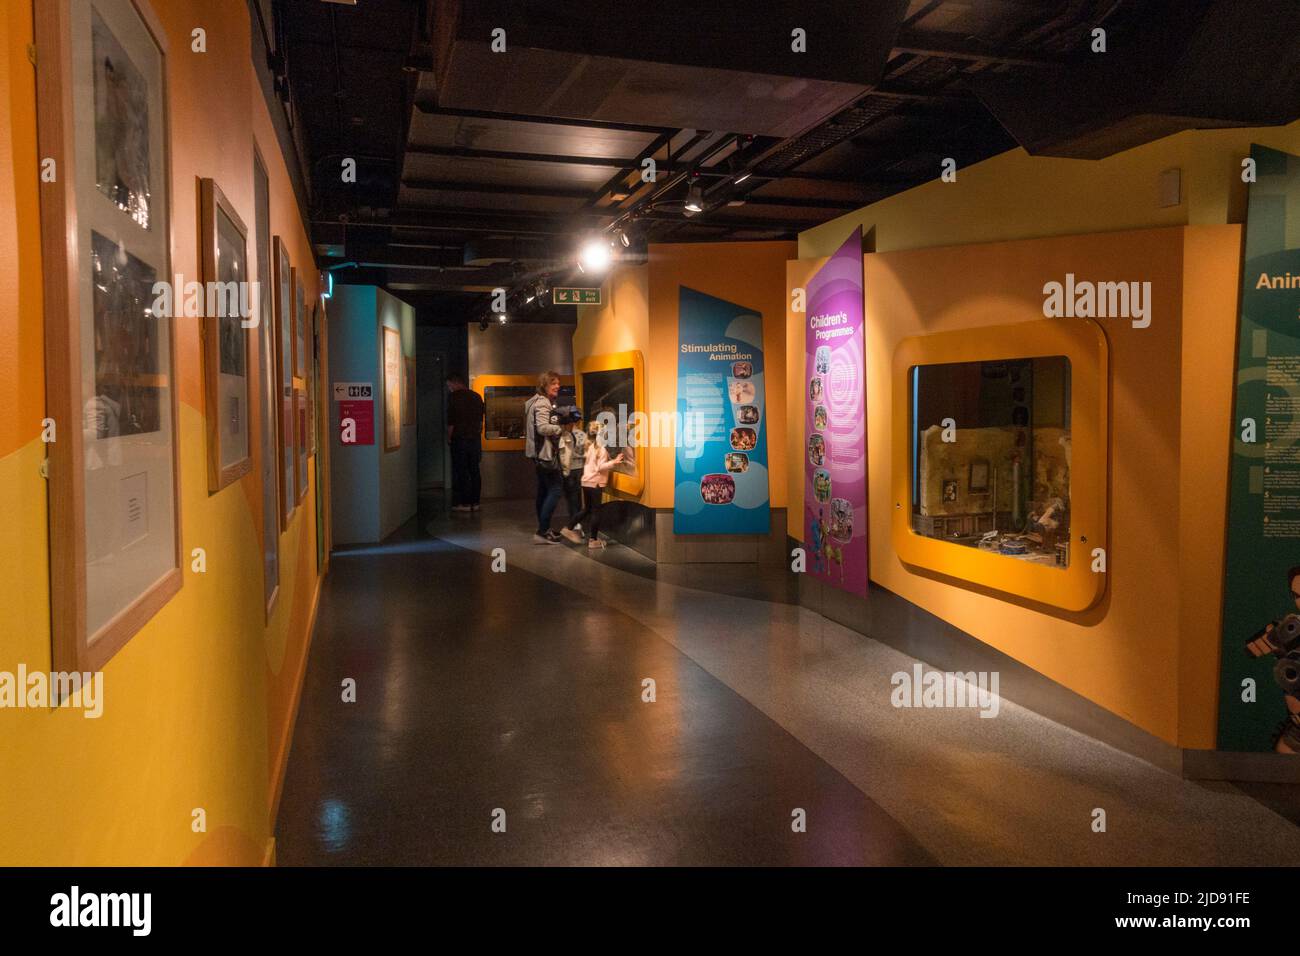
[{"x": 517, "y": 696}]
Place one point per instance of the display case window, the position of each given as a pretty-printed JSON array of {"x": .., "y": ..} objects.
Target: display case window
[
  {"x": 612, "y": 392},
  {"x": 503, "y": 408},
  {"x": 991, "y": 456}
]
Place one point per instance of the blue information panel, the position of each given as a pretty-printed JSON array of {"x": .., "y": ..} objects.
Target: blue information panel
[{"x": 721, "y": 476}]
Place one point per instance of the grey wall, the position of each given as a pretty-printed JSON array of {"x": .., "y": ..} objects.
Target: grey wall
[
  {"x": 525, "y": 349},
  {"x": 372, "y": 492}
]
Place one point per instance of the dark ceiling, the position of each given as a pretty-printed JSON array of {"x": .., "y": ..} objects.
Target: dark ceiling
[{"x": 479, "y": 169}]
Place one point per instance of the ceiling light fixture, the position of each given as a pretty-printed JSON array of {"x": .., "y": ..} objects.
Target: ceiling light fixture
[
  {"x": 694, "y": 199},
  {"x": 594, "y": 257},
  {"x": 743, "y": 176}
]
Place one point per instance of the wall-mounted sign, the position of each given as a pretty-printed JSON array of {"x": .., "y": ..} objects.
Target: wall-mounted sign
[
  {"x": 572, "y": 296},
  {"x": 721, "y": 482},
  {"x": 344, "y": 390},
  {"x": 357, "y": 422},
  {"x": 835, "y": 430},
  {"x": 1259, "y": 683}
]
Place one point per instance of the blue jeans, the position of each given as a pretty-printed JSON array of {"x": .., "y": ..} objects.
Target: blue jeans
[{"x": 550, "y": 487}]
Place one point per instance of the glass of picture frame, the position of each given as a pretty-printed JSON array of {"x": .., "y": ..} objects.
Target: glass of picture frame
[
  {"x": 111, "y": 386},
  {"x": 227, "y": 367}
]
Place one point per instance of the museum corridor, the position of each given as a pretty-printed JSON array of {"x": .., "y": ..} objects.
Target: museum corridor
[{"x": 479, "y": 691}]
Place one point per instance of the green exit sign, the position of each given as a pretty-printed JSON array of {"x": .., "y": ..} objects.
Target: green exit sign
[{"x": 575, "y": 296}]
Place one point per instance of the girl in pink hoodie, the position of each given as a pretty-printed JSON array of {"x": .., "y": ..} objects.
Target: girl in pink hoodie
[{"x": 595, "y": 476}]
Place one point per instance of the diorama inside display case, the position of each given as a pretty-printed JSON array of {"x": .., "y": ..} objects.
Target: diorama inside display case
[
  {"x": 991, "y": 456},
  {"x": 503, "y": 408},
  {"x": 613, "y": 392}
]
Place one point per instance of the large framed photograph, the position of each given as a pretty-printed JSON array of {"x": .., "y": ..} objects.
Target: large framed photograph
[
  {"x": 392, "y": 389},
  {"x": 284, "y": 364},
  {"x": 114, "y": 495},
  {"x": 227, "y": 347}
]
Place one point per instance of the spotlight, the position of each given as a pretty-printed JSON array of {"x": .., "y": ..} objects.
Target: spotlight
[
  {"x": 502, "y": 318},
  {"x": 624, "y": 238},
  {"x": 694, "y": 199},
  {"x": 594, "y": 257}
]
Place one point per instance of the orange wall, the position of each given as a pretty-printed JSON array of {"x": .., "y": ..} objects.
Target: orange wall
[
  {"x": 1148, "y": 650},
  {"x": 199, "y": 703}
]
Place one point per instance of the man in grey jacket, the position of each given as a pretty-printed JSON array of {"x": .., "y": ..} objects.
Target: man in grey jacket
[{"x": 540, "y": 436}]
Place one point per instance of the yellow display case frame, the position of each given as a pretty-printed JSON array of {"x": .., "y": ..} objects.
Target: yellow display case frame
[
  {"x": 1073, "y": 588},
  {"x": 627, "y": 484},
  {"x": 481, "y": 383}
]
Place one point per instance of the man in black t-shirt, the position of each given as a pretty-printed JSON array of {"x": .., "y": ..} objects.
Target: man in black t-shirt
[{"x": 464, "y": 431}]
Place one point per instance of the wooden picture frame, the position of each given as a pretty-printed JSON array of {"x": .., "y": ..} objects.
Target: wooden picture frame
[
  {"x": 283, "y": 295},
  {"x": 313, "y": 379},
  {"x": 267, "y": 379},
  {"x": 299, "y": 326},
  {"x": 227, "y": 346},
  {"x": 300, "y": 420},
  {"x": 391, "y": 354},
  {"x": 114, "y": 487}
]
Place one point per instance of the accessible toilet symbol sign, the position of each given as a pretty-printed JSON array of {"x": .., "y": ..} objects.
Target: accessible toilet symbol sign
[{"x": 356, "y": 420}]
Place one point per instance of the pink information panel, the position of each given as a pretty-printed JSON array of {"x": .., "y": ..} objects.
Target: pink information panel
[{"x": 835, "y": 432}]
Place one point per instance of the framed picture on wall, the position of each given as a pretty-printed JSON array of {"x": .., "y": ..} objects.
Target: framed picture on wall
[
  {"x": 300, "y": 417},
  {"x": 268, "y": 390},
  {"x": 300, "y": 327},
  {"x": 110, "y": 365},
  {"x": 227, "y": 347},
  {"x": 313, "y": 379},
  {"x": 408, "y": 391},
  {"x": 284, "y": 363},
  {"x": 392, "y": 389}
]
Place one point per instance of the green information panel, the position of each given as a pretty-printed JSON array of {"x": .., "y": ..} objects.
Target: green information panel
[{"x": 1259, "y": 689}]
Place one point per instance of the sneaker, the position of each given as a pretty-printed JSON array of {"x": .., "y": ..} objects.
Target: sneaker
[
  {"x": 578, "y": 528},
  {"x": 595, "y": 544},
  {"x": 552, "y": 537},
  {"x": 542, "y": 539},
  {"x": 571, "y": 535}
]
